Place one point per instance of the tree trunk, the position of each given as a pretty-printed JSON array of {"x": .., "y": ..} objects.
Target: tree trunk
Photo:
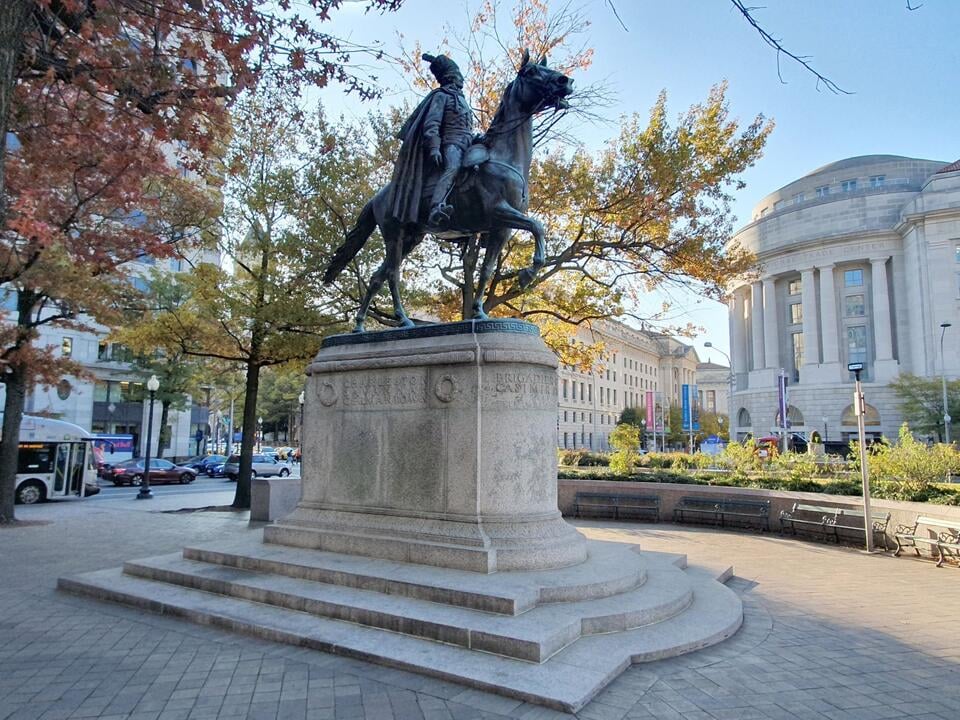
[
  {"x": 16, "y": 386},
  {"x": 16, "y": 380},
  {"x": 163, "y": 438},
  {"x": 241, "y": 498},
  {"x": 13, "y": 27}
]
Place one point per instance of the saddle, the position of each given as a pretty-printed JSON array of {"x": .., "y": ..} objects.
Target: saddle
[{"x": 475, "y": 156}]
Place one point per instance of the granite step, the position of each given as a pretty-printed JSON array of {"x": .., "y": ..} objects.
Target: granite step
[
  {"x": 610, "y": 569},
  {"x": 532, "y": 636},
  {"x": 566, "y": 681}
]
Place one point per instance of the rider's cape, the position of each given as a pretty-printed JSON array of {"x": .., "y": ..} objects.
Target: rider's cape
[{"x": 412, "y": 170}]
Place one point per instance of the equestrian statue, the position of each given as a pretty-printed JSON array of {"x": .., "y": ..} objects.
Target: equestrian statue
[{"x": 454, "y": 185}]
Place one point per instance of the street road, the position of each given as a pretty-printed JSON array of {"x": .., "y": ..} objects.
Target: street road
[{"x": 203, "y": 484}]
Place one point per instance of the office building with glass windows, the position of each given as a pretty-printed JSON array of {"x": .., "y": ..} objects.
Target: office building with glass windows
[{"x": 858, "y": 261}]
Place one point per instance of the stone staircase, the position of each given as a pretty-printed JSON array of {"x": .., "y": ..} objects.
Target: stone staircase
[{"x": 553, "y": 637}]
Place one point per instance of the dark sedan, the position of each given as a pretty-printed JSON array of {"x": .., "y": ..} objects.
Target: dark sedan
[
  {"x": 161, "y": 471},
  {"x": 202, "y": 463}
]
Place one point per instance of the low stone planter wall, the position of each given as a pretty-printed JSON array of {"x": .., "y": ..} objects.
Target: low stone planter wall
[{"x": 901, "y": 513}]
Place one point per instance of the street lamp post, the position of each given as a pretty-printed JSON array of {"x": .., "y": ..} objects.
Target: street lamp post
[
  {"x": 730, "y": 379},
  {"x": 152, "y": 385},
  {"x": 643, "y": 434},
  {"x": 259, "y": 433},
  {"x": 859, "y": 406},
  {"x": 943, "y": 379},
  {"x": 302, "y": 398}
]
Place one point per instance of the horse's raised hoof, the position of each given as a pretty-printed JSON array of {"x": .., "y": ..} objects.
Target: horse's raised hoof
[
  {"x": 526, "y": 277},
  {"x": 406, "y": 322}
]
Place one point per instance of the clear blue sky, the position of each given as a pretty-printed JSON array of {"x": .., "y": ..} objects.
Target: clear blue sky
[{"x": 902, "y": 66}]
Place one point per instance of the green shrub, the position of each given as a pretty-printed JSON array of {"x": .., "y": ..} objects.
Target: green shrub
[{"x": 625, "y": 439}]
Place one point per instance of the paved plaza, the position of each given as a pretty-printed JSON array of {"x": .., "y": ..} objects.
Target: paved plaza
[{"x": 828, "y": 633}]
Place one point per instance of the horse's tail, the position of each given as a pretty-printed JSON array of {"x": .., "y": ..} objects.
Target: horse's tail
[{"x": 355, "y": 241}]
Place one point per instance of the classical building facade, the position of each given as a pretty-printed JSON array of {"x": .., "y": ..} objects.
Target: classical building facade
[
  {"x": 858, "y": 261},
  {"x": 633, "y": 363}
]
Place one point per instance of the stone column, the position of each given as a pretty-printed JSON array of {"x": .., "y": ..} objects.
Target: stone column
[
  {"x": 756, "y": 324},
  {"x": 738, "y": 347},
  {"x": 828, "y": 315},
  {"x": 771, "y": 331},
  {"x": 808, "y": 297},
  {"x": 882, "y": 336}
]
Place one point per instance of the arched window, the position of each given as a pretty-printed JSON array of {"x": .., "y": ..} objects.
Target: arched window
[
  {"x": 743, "y": 418},
  {"x": 871, "y": 416},
  {"x": 794, "y": 417}
]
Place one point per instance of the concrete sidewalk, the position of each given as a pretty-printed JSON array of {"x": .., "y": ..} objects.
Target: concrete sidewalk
[{"x": 829, "y": 633}]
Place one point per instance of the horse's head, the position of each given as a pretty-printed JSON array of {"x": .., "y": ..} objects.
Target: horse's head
[{"x": 538, "y": 87}]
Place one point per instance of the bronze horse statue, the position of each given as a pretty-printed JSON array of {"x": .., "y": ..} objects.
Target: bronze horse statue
[{"x": 489, "y": 198}]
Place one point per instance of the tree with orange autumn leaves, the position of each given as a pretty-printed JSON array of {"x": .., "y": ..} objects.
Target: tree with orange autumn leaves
[{"x": 107, "y": 109}]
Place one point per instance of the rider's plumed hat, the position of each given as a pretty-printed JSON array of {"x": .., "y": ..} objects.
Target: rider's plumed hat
[{"x": 442, "y": 67}]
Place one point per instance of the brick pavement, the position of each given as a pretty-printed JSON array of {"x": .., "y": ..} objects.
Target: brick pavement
[{"x": 829, "y": 633}]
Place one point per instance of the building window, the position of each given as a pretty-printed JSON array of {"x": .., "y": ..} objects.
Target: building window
[
  {"x": 796, "y": 313},
  {"x": 565, "y": 441},
  {"x": 793, "y": 287},
  {"x": 564, "y": 415},
  {"x": 564, "y": 389},
  {"x": 66, "y": 347},
  {"x": 848, "y": 185},
  {"x": 589, "y": 393},
  {"x": 765, "y": 211},
  {"x": 854, "y": 306},
  {"x": 823, "y": 191},
  {"x": 877, "y": 180},
  {"x": 857, "y": 344},
  {"x": 797, "y": 199},
  {"x": 852, "y": 278},
  {"x": 797, "y": 341},
  {"x": 779, "y": 204},
  {"x": 956, "y": 253},
  {"x": 711, "y": 401}
]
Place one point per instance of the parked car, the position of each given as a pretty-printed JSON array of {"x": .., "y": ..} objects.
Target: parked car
[
  {"x": 209, "y": 461},
  {"x": 215, "y": 469},
  {"x": 130, "y": 472},
  {"x": 263, "y": 466},
  {"x": 270, "y": 451},
  {"x": 194, "y": 462}
]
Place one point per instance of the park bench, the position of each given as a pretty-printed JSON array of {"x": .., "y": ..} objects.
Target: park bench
[
  {"x": 723, "y": 512},
  {"x": 834, "y": 522},
  {"x": 617, "y": 506},
  {"x": 945, "y": 537}
]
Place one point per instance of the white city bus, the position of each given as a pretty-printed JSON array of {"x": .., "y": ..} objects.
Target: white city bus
[{"x": 55, "y": 460}]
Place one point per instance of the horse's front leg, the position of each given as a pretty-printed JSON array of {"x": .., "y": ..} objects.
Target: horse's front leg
[{"x": 508, "y": 216}]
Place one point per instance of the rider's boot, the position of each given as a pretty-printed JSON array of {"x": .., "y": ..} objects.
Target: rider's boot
[{"x": 440, "y": 215}]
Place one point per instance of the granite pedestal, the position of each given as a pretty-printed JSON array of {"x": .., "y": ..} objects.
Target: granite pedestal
[{"x": 428, "y": 536}]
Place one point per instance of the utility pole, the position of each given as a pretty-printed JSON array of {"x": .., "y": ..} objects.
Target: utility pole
[{"x": 859, "y": 406}]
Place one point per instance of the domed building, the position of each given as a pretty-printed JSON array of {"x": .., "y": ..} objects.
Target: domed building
[{"x": 858, "y": 261}]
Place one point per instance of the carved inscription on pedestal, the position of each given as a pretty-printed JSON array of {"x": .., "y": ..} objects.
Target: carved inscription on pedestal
[
  {"x": 528, "y": 387},
  {"x": 385, "y": 391}
]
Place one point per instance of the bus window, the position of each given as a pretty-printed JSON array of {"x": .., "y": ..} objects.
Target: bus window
[{"x": 35, "y": 458}]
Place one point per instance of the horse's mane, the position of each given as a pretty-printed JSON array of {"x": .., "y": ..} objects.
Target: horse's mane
[{"x": 498, "y": 115}]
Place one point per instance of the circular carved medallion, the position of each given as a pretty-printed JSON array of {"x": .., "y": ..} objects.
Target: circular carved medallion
[
  {"x": 326, "y": 393},
  {"x": 446, "y": 388},
  {"x": 63, "y": 389}
]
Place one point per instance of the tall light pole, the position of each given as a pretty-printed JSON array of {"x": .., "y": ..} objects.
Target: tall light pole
[
  {"x": 730, "y": 379},
  {"x": 943, "y": 379},
  {"x": 152, "y": 386},
  {"x": 859, "y": 406},
  {"x": 259, "y": 433},
  {"x": 302, "y": 398}
]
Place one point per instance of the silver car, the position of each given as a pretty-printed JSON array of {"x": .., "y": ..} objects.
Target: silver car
[{"x": 263, "y": 466}]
